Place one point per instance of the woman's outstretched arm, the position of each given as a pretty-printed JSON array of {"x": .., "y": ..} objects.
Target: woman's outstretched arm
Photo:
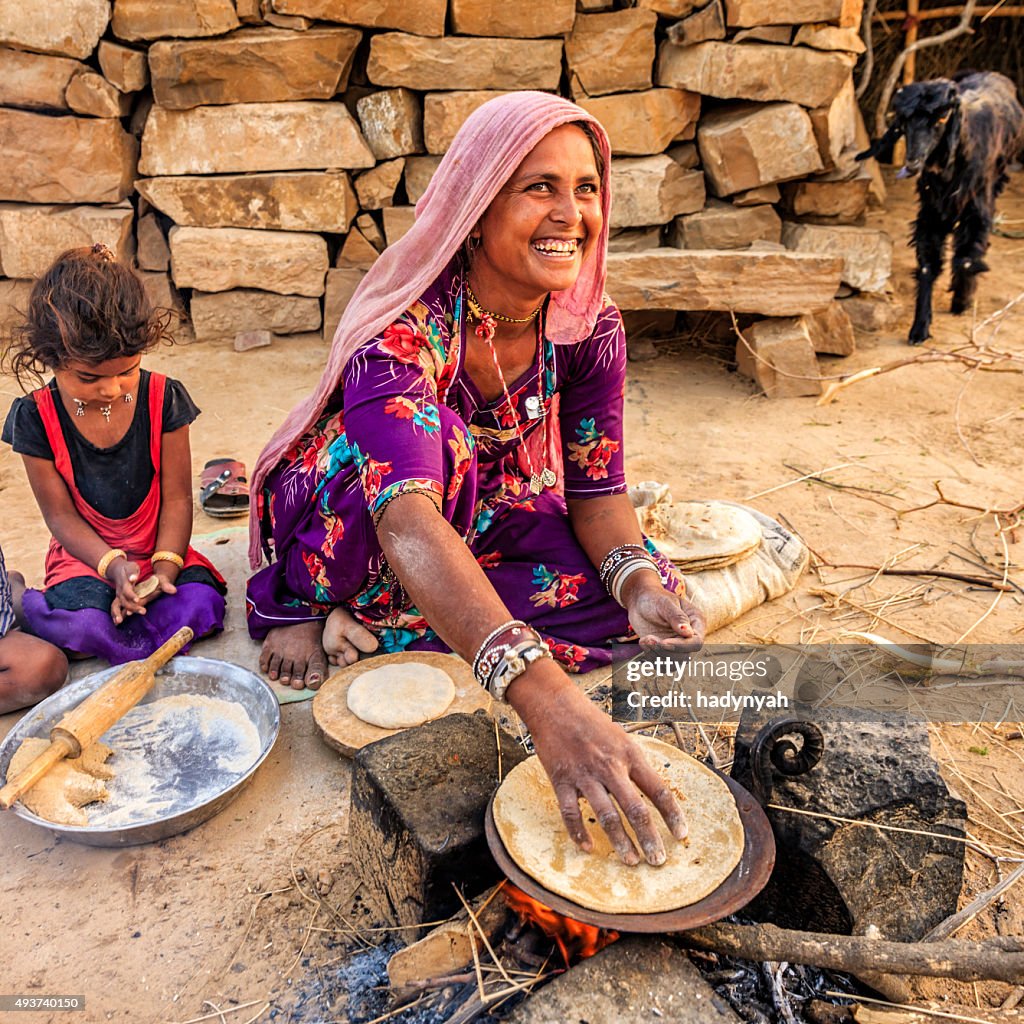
[{"x": 582, "y": 750}]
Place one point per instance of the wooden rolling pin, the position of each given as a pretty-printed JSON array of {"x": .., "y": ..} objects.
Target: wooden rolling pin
[{"x": 86, "y": 723}]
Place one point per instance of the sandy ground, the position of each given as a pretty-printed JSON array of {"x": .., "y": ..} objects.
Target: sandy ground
[{"x": 216, "y": 919}]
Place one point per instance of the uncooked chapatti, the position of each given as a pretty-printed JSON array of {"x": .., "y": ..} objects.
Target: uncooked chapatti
[
  {"x": 527, "y": 818},
  {"x": 401, "y": 696},
  {"x": 699, "y": 535}
]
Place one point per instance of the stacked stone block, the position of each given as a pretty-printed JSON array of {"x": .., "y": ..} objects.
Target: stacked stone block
[{"x": 254, "y": 157}]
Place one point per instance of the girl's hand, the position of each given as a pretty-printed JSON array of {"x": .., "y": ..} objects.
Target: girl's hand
[
  {"x": 660, "y": 617},
  {"x": 586, "y": 754},
  {"x": 124, "y": 575}
]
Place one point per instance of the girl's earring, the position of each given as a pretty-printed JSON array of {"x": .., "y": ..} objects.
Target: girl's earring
[
  {"x": 129, "y": 398},
  {"x": 79, "y": 406}
]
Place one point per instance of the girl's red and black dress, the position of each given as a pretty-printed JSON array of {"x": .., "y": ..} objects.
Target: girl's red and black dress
[{"x": 116, "y": 490}]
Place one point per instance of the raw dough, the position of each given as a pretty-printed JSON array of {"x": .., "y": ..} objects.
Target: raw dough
[
  {"x": 401, "y": 696},
  {"x": 526, "y": 815},
  {"x": 68, "y": 786},
  {"x": 699, "y": 535}
]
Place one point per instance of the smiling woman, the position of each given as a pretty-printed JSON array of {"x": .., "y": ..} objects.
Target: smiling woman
[{"x": 479, "y": 372}]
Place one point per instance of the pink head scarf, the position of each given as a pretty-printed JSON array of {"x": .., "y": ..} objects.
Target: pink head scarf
[{"x": 492, "y": 143}]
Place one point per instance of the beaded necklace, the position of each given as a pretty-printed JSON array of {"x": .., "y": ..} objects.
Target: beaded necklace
[{"x": 534, "y": 403}]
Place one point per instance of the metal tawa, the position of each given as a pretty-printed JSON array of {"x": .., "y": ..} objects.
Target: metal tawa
[
  {"x": 748, "y": 878},
  {"x": 196, "y": 787}
]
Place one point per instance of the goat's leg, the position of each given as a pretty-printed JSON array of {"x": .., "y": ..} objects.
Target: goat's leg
[
  {"x": 930, "y": 232},
  {"x": 970, "y": 242}
]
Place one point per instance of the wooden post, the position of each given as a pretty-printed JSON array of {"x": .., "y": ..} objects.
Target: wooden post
[{"x": 910, "y": 67}]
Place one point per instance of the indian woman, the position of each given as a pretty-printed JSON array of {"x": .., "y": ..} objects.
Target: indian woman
[{"x": 456, "y": 481}]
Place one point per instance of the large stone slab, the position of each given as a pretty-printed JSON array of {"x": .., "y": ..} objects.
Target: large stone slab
[
  {"x": 143, "y": 19},
  {"x": 642, "y": 123},
  {"x": 671, "y": 8},
  {"x": 523, "y": 19},
  {"x": 35, "y": 81},
  {"x": 71, "y": 28},
  {"x": 220, "y": 259},
  {"x": 770, "y": 283},
  {"x": 64, "y": 159},
  {"x": 444, "y": 113},
  {"x": 91, "y": 94},
  {"x": 637, "y": 980},
  {"x": 835, "y": 125},
  {"x": 399, "y": 59},
  {"x": 125, "y": 68},
  {"x": 701, "y": 26},
  {"x": 841, "y": 199},
  {"x": 741, "y": 13},
  {"x": 652, "y": 190},
  {"x": 417, "y": 818},
  {"x": 831, "y": 331},
  {"x": 392, "y": 122},
  {"x": 779, "y": 355},
  {"x": 829, "y": 37},
  {"x": 754, "y": 72},
  {"x": 611, "y": 52},
  {"x": 376, "y": 187},
  {"x": 745, "y": 147},
  {"x": 151, "y": 252},
  {"x": 837, "y": 877},
  {"x": 418, "y": 172},
  {"x": 301, "y": 135},
  {"x": 424, "y": 17},
  {"x": 252, "y": 65},
  {"x": 398, "y": 221},
  {"x": 217, "y": 316},
  {"x": 32, "y": 237},
  {"x": 341, "y": 286},
  {"x": 294, "y": 201},
  {"x": 865, "y": 252},
  {"x": 724, "y": 226}
]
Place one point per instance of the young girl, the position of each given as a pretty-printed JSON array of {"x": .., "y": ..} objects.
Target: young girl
[{"x": 105, "y": 445}]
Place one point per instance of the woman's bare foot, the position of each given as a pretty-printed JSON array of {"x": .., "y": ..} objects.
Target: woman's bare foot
[
  {"x": 344, "y": 638},
  {"x": 294, "y": 655}
]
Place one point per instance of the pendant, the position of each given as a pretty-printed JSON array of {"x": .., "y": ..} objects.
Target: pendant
[
  {"x": 105, "y": 412},
  {"x": 548, "y": 478},
  {"x": 536, "y": 483},
  {"x": 534, "y": 407},
  {"x": 79, "y": 406}
]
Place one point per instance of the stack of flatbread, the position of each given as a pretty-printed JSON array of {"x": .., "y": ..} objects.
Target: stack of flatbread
[
  {"x": 699, "y": 535},
  {"x": 530, "y": 826}
]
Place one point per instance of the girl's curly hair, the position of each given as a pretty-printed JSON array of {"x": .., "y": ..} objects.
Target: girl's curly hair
[{"x": 86, "y": 308}]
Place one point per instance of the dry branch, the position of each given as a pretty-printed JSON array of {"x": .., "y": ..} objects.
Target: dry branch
[{"x": 1000, "y": 959}]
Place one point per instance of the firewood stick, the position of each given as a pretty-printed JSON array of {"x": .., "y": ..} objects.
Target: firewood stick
[
  {"x": 1000, "y": 959},
  {"x": 956, "y": 921}
]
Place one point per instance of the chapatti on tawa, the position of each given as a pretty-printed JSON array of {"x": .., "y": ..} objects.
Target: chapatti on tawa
[{"x": 528, "y": 821}]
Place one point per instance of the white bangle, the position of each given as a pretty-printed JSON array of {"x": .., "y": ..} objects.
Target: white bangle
[{"x": 626, "y": 571}]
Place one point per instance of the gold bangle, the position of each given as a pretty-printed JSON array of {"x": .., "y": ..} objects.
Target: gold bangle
[
  {"x": 168, "y": 556},
  {"x": 111, "y": 556}
]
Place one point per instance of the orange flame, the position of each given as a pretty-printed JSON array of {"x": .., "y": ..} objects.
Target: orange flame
[{"x": 576, "y": 940}]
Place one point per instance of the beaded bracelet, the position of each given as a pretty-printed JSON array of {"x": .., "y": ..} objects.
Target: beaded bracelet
[
  {"x": 626, "y": 570},
  {"x": 616, "y": 558},
  {"x": 111, "y": 556},
  {"x": 513, "y": 624},
  {"x": 514, "y": 661},
  {"x": 168, "y": 556}
]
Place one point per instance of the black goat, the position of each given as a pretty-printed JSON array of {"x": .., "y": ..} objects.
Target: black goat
[{"x": 961, "y": 136}]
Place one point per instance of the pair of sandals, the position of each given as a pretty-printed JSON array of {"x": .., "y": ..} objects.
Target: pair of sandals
[{"x": 224, "y": 489}]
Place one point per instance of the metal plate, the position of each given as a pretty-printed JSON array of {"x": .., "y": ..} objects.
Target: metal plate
[
  {"x": 748, "y": 878},
  {"x": 195, "y": 785}
]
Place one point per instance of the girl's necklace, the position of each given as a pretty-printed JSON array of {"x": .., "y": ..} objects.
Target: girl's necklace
[
  {"x": 546, "y": 477},
  {"x": 81, "y": 406}
]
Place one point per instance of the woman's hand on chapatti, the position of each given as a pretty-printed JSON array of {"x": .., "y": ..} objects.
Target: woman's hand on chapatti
[
  {"x": 586, "y": 754},
  {"x": 660, "y": 617}
]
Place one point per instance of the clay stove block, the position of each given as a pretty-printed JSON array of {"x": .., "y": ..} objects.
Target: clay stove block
[{"x": 417, "y": 822}]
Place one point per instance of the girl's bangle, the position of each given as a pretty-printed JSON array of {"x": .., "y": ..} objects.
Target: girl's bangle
[
  {"x": 168, "y": 556},
  {"x": 111, "y": 556}
]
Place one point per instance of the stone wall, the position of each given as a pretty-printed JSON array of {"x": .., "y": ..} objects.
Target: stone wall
[{"x": 255, "y": 156}]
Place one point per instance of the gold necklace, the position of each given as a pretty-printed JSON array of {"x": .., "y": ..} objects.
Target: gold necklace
[{"x": 479, "y": 313}]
